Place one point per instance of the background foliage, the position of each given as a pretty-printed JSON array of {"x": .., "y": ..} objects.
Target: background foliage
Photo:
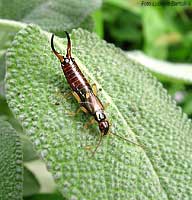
[{"x": 161, "y": 32}]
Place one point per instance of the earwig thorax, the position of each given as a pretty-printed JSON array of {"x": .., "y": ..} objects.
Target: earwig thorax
[{"x": 100, "y": 117}]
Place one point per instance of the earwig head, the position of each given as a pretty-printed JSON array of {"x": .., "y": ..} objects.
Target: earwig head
[
  {"x": 104, "y": 127},
  {"x": 103, "y": 123},
  {"x": 68, "y": 54}
]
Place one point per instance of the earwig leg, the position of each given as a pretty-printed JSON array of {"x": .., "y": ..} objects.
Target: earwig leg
[
  {"x": 76, "y": 97},
  {"x": 91, "y": 121},
  {"x": 94, "y": 87},
  {"x": 84, "y": 109},
  {"x": 74, "y": 113},
  {"x": 110, "y": 134},
  {"x": 78, "y": 110},
  {"x": 81, "y": 108},
  {"x": 67, "y": 95},
  {"x": 64, "y": 95},
  {"x": 88, "y": 148}
]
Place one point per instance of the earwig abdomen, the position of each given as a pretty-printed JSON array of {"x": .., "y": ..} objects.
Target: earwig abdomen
[
  {"x": 81, "y": 86},
  {"x": 74, "y": 77}
]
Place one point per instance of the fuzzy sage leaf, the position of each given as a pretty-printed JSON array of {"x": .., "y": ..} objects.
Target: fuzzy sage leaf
[
  {"x": 51, "y": 15},
  {"x": 11, "y": 170},
  {"x": 139, "y": 109}
]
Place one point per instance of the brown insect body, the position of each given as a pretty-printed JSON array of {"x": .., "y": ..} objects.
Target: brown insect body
[
  {"x": 81, "y": 88},
  {"x": 83, "y": 92}
]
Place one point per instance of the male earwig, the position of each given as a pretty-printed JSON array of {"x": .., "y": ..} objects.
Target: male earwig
[{"x": 82, "y": 91}]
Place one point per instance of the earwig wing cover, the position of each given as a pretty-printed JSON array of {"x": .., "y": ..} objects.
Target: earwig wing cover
[{"x": 140, "y": 109}]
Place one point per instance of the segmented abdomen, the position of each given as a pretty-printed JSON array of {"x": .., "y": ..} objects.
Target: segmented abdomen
[{"x": 75, "y": 78}]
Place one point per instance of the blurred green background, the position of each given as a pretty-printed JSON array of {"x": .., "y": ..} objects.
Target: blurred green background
[{"x": 162, "y": 32}]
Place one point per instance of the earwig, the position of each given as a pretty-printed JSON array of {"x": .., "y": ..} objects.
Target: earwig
[{"x": 83, "y": 92}]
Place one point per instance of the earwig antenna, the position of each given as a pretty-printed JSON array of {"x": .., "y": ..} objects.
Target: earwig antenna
[
  {"x": 54, "y": 51},
  {"x": 68, "y": 55},
  {"x": 100, "y": 139},
  {"x": 128, "y": 140}
]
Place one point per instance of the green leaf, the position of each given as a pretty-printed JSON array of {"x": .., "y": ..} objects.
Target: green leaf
[
  {"x": 87, "y": 24},
  {"x": 176, "y": 72},
  {"x": 44, "y": 178},
  {"x": 7, "y": 31},
  {"x": 51, "y": 15},
  {"x": 29, "y": 153},
  {"x": 124, "y": 4},
  {"x": 31, "y": 184},
  {"x": 4, "y": 109},
  {"x": 2, "y": 74},
  {"x": 139, "y": 110},
  {"x": 158, "y": 33},
  {"x": 45, "y": 197},
  {"x": 99, "y": 23},
  {"x": 11, "y": 170},
  {"x": 5, "y": 40}
]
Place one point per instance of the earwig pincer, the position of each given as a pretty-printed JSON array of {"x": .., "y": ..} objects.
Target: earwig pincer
[{"x": 82, "y": 90}]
